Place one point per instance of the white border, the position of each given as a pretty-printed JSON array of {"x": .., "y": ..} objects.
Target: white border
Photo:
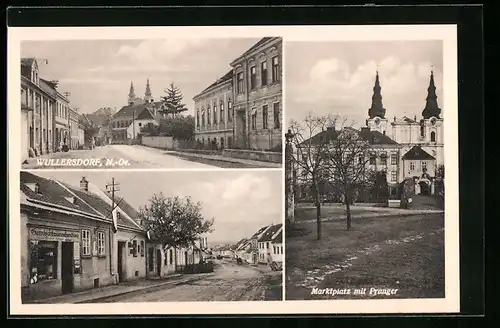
[{"x": 446, "y": 33}]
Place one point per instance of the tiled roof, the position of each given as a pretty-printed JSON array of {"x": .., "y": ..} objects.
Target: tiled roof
[
  {"x": 48, "y": 87},
  {"x": 279, "y": 238},
  {"x": 240, "y": 243},
  {"x": 268, "y": 235},
  {"x": 256, "y": 45},
  {"x": 51, "y": 192},
  {"x": 373, "y": 137},
  {"x": 147, "y": 114},
  {"x": 27, "y": 61},
  {"x": 261, "y": 230},
  {"x": 96, "y": 119},
  {"x": 417, "y": 153},
  {"x": 128, "y": 111},
  {"x": 228, "y": 76}
]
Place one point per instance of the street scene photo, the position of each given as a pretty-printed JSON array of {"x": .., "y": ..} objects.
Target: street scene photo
[
  {"x": 116, "y": 236},
  {"x": 152, "y": 103},
  {"x": 364, "y": 170}
]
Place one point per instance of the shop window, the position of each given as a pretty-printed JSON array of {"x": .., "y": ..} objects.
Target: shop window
[
  {"x": 43, "y": 261},
  {"x": 86, "y": 242},
  {"x": 142, "y": 248},
  {"x": 101, "y": 249}
]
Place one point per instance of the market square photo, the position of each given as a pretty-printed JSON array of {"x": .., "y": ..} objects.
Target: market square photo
[{"x": 365, "y": 170}]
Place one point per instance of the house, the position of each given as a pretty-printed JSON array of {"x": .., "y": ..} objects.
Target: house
[
  {"x": 420, "y": 165},
  {"x": 277, "y": 247},
  {"x": 237, "y": 248},
  {"x": 265, "y": 243},
  {"x": 74, "y": 126},
  {"x": 257, "y": 95},
  {"x": 145, "y": 117}
]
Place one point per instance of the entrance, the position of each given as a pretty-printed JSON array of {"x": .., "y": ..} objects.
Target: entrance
[
  {"x": 424, "y": 188},
  {"x": 151, "y": 255},
  {"x": 67, "y": 267},
  {"x": 158, "y": 262},
  {"x": 121, "y": 259}
]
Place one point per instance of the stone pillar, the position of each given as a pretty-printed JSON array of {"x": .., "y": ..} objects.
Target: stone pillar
[{"x": 289, "y": 185}]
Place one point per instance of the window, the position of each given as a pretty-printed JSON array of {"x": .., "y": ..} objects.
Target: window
[
  {"x": 24, "y": 98},
  {"x": 412, "y": 166},
  {"x": 264, "y": 117},
  {"x": 208, "y": 116},
  {"x": 433, "y": 136},
  {"x": 383, "y": 159},
  {"x": 239, "y": 85},
  {"x": 275, "y": 69},
  {"x": 142, "y": 248},
  {"x": 101, "y": 250},
  {"x": 253, "y": 77},
  {"x": 86, "y": 242},
  {"x": 221, "y": 116},
  {"x": 263, "y": 73},
  {"x": 140, "y": 124},
  {"x": 373, "y": 159},
  {"x": 393, "y": 176},
  {"x": 424, "y": 166},
  {"x": 215, "y": 113},
  {"x": 276, "y": 115},
  {"x": 43, "y": 261},
  {"x": 394, "y": 159},
  {"x": 135, "y": 248},
  {"x": 254, "y": 119},
  {"x": 202, "y": 117},
  {"x": 267, "y": 245},
  {"x": 197, "y": 118},
  {"x": 171, "y": 256},
  {"x": 229, "y": 111}
]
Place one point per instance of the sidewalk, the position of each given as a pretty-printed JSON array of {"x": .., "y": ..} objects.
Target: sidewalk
[
  {"x": 102, "y": 293},
  {"x": 386, "y": 212},
  {"x": 220, "y": 158}
]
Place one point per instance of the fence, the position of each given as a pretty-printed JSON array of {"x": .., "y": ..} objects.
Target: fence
[{"x": 159, "y": 142}]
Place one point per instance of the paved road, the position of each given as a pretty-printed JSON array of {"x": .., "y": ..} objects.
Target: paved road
[
  {"x": 117, "y": 156},
  {"x": 230, "y": 282}
]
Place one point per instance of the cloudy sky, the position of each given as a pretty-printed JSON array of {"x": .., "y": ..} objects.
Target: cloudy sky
[
  {"x": 240, "y": 201},
  {"x": 98, "y": 73},
  {"x": 338, "y": 77}
]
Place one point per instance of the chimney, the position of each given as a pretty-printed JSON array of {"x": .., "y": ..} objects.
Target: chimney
[
  {"x": 35, "y": 187},
  {"x": 84, "y": 184}
]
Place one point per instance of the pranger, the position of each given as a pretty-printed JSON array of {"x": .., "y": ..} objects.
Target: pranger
[{"x": 383, "y": 291}]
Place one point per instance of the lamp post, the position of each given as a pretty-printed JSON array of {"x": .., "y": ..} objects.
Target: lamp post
[{"x": 289, "y": 194}]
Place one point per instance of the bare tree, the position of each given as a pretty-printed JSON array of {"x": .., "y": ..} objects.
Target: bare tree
[
  {"x": 346, "y": 164},
  {"x": 309, "y": 146}
]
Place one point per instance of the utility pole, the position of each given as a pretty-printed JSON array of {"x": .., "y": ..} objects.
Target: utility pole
[
  {"x": 112, "y": 188},
  {"x": 133, "y": 125}
]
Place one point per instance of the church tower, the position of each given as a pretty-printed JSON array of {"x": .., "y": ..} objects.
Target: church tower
[
  {"x": 131, "y": 94},
  {"x": 431, "y": 106},
  {"x": 148, "y": 96},
  {"x": 431, "y": 124},
  {"x": 376, "y": 113}
]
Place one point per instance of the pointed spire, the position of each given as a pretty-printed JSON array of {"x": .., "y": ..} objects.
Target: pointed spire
[
  {"x": 148, "y": 96},
  {"x": 431, "y": 106},
  {"x": 131, "y": 94},
  {"x": 377, "y": 109}
]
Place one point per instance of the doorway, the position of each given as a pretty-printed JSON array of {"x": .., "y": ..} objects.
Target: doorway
[
  {"x": 424, "y": 188},
  {"x": 67, "y": 267},
  {"x": 151, "y": 255},
  {"x": 121, "y": 260},
  {"x": 186, "y": 258},
  {"x": 158, "y": 262}
]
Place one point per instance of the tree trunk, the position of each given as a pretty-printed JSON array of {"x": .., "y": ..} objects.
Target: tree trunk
[
  {"x": 348, "y": 212},
  {"x": 318, "y": 215}
]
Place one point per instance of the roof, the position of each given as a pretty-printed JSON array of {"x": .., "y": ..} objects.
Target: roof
[
  {"x": 404, "y": 120},
  {"x": 260, "y": 231},
  {"x": 279, "y": 238},
  {"x": 240, "y": 243},
  {"x": 128, "y": 111},
  {"x": 269, "y": 233},
  {"x": 147, "y": 114},
  {"x": 373, "y": 137},
  {"x": 417, "y": 153},
  {"x": 27, "y": 61},
  {"x": 51, "y": 192},
  {"x": 255, "y": 46},
  {"x": 48, "y": 88},
  {"x": 227, "y": 77}
]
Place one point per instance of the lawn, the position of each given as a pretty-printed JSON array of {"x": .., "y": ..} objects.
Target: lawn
[{"x": 399, "y": 253}]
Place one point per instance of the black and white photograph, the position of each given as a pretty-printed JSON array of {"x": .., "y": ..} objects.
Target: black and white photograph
[
  {"x": 113, "y": 237},
  {"x": 365, "y": 170},
  {"x": 152, "y": 103}
]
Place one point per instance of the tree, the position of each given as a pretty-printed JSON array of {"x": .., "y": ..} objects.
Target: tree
[
  {"x": 181, "y": 128},
  {"x": 309, "y": 147},
  {"x": 347, "y": 166},
  {"x": 174, "y": 221},
  {"x": 172, "y": 101}
]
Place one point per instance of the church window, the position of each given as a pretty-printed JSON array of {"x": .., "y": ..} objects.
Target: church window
[{"x": 433, "y": 136}]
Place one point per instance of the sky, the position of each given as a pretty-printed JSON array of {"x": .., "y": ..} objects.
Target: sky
[
  {"x": 241, "y": 202},
  {"x": 338, "y": 77},
  {"x": 98, "y": 73}
]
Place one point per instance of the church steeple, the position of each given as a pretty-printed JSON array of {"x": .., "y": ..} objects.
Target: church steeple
[
  {"x": 431, "y": 106},
  {"x": 377, "y": 109},
  {"x": 131, "y": 94},
  {"x": 148, "y": 96}
]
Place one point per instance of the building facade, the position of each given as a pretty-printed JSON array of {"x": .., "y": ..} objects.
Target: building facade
[
  {"x": 214, "y": 118},
  {"x": 73, "y": 127},
  {"x": 257, "y": 94},
  {"x": 266, "y": 244}
]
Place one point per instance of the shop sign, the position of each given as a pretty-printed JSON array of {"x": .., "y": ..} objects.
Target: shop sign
[{"x": 53, "y": 235}]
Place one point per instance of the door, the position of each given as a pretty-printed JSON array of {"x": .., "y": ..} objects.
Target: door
[
  {"x": 158, "y": 262},
  {"x": 67, "y": 267},
  {"x": 121, "y": 271},
  {"x": 151, "y": 255}
]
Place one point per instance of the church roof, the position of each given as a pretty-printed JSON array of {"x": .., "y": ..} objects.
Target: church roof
[
  {"x": 417, "y": 153},
  {"x": 404, "y": 120},
  {"x": 431, "y": 106},
  {"x": 128, "y": 111}
]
